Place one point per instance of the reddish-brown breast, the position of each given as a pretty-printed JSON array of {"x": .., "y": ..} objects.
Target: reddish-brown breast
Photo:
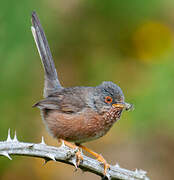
[{"x": 79, "y": 127}]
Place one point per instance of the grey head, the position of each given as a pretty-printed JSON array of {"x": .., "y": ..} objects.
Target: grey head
[{"x": 109, "y": 95}]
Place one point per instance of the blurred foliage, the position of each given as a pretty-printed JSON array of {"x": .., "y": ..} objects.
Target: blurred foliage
[{"x": 127, "y": 42}]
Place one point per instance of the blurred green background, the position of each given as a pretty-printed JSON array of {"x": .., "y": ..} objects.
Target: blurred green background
[{"x": 128, "y": 42}]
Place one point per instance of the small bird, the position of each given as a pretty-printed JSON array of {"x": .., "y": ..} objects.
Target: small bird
[{"x": 76, "y": 114}]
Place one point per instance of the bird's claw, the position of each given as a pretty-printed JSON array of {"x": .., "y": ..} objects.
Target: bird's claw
[
  {"x": 103, "y": 161},
  {"x": 78, "y": 152},
  {"x": 79, "y": 157}
]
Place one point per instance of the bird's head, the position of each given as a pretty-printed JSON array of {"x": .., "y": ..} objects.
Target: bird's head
[{"x": 110, "y": 98}]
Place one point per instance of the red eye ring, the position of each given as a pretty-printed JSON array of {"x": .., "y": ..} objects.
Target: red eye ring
[{"x": 108, "y": 99}]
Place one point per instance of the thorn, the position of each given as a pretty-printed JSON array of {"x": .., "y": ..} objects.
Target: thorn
[
  {"x": 63, "y": 144},
  {"x": 142, "y": 172},
  {"x": 136, "y": 171},
  {"x": 9, "y": 137},
  {"x": 43, "y": 142},
  {"x": 74, "y": 163},
  {"x": 51, "y": 156},
  {"x": 15, "y": 137},
  {"x": 6, "y": 155},
  {"x": 117, "y": 165},
  {"x": 108, "y": 176}
]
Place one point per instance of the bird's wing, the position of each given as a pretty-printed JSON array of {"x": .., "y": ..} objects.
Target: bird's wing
[{"x": 63, "y": 103}]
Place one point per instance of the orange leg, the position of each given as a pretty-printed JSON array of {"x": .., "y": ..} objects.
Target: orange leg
[
  {"x": 98, "y": 156},
  {"x": 79, "y": 156}
]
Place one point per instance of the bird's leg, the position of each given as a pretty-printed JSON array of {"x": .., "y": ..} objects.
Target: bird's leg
[
  {"x": 98, "y": 156},
  {"x": 78, "y": 154}
]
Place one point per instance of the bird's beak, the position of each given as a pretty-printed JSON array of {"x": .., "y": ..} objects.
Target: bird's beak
[
  {"x": 124, "y": 105},
  {"x": 118, "y": 105}
]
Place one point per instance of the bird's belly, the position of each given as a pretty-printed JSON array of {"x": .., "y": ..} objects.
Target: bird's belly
[{"x": 77, "y": 128}]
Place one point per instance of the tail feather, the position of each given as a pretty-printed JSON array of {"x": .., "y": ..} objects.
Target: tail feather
[{"x": 51, "y": 79}]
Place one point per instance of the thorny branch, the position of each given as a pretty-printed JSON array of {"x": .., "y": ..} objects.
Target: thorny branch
[{"x": 66, "y": 155}]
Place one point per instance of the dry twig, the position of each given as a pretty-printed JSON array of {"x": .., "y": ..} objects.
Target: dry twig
[{"x": 66, "y": 155}]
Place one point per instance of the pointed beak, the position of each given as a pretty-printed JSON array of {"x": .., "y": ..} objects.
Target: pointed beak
[{"x": 124, "y": 105}]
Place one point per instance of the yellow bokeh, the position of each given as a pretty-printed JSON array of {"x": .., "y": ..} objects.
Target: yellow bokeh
[{"x": 152, "y": 40}]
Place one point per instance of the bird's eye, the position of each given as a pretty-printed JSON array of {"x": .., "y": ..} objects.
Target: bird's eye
[{"x": 108, "y": 99}]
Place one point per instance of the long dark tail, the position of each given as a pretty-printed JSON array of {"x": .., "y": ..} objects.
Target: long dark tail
[{"x": 52, "y": 83}]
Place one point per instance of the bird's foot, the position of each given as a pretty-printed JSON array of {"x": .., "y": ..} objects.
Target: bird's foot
[
  {"x": 79, "y": 157},
  {"x": 78, "y": 154},
  {"x": 99, "y": 157},
  {"x": 103, "y": 161}
]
